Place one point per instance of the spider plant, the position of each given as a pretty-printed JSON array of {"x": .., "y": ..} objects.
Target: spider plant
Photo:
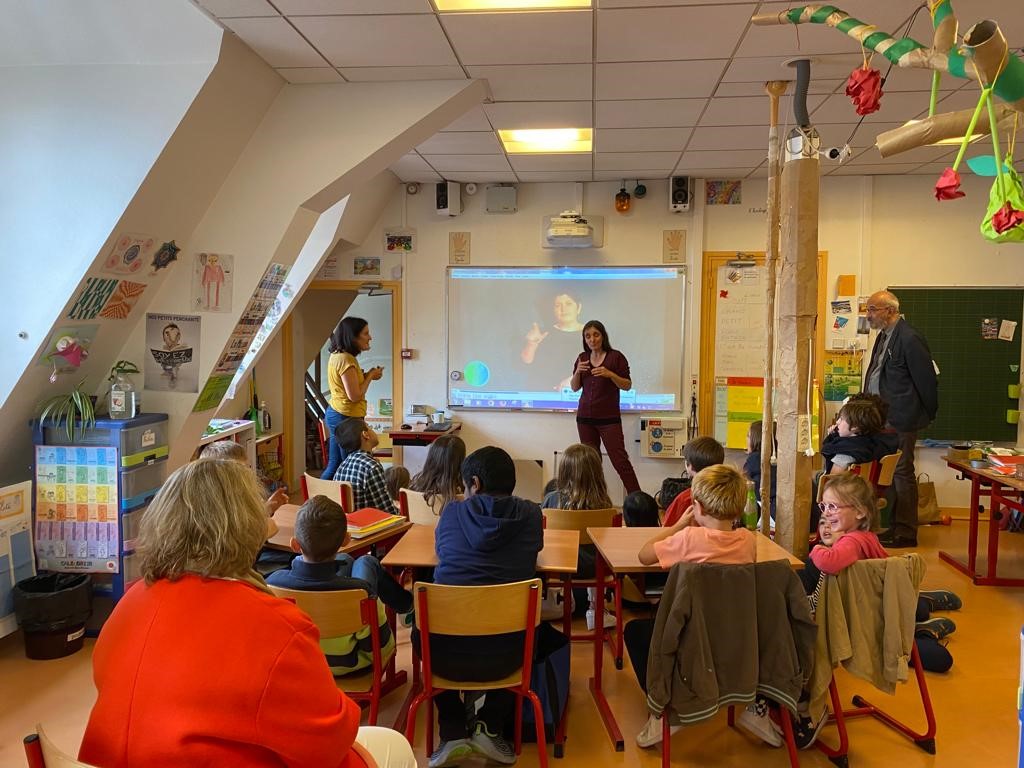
[{"x": 75, "y": 408}]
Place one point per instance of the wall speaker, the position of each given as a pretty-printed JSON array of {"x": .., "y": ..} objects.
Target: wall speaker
[
  {"x": 448, "y": 198},
  {"x": 680, "y": 193}
]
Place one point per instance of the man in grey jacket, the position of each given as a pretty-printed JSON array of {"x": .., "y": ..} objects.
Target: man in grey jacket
[{"x": 902, "y": 373}]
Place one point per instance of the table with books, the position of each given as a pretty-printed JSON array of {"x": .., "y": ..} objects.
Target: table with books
[
  {"x": 996, "y": 480},
  {"x": 366, "y": 528}
]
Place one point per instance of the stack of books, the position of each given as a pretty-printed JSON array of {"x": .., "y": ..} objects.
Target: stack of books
[
  {"x": 1005, "y": 465},
  {"x": 368, "y": 521}
]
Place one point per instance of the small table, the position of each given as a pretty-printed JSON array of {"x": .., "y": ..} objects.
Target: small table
[
  {"x": 420, "y": 436},
  {"x": 999, "y": 486},
  {"x": 619, "y": 550},
  {"x": 285, "y": 519}
]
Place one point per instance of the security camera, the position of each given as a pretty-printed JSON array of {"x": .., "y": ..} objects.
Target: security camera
[{"x": 838, "y": 153}]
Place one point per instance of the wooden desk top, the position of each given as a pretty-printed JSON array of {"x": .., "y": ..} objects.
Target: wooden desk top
[
  {"x": 419, "y": 435},
  {"x": 620, "y": 548},
  {"x": 416, "y": 549},
  {"x": 285, "y": 519},
  {"x": 1009, "y": 481}
]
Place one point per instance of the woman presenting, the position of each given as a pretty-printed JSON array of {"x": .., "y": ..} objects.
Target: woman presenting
[
  {"x": 348, "y": 382},
  {"x": 602, "y": 372}
]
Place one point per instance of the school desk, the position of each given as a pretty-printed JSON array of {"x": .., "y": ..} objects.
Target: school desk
[
  {"x": 416, "y": 550},
  {"x": 285, "y": 519},
  {"x": 618, "y": 550},
  {"x": 1002, "y": 491}
]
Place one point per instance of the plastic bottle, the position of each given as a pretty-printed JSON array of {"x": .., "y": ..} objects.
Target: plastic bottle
[
  {"x": 750, "y": 512},
  {"x": 124, "y": 400},
  {"x": 265, "y": 413}
]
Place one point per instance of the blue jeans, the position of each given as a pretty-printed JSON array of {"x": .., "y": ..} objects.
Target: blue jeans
[
  {"x": 333, "y": 419},
  {"x": 382, "y": 584}
]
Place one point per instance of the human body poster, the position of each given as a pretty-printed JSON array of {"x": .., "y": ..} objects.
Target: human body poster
[
  {"x": 76, "y": 509},
  {"x": 172, "y": 353},
  {"x": 212, "y": 282}
]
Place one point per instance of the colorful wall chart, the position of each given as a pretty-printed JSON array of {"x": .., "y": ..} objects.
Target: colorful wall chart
[{"x": 76, "y": 509}]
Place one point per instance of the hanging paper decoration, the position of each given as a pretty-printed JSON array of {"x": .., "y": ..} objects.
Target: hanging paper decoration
[
  {"x": 948, "y": 186},
  {"x": 1006, "y": 217},
  {"x": 864, "y": 87}
]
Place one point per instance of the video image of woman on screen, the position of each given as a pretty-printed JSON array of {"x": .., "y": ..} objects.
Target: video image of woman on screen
[
  {"x": 546, "y": 347},
  {"x": 602, "y": 372}
]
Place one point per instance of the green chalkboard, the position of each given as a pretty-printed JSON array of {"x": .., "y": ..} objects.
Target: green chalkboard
[{"x": 973, "y": 371}]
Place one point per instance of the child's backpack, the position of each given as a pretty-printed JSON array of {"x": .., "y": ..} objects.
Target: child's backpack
[
  {"x": 550, "y": 681},
  {"x": 670, "y": 488}
]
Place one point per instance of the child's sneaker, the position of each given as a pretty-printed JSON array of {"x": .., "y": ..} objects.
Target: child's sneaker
[
  {"x": 490, "y": 746},
  {"x": 806, "y": 730},
  {"x": 450, "y": 753},
  {"x": 756, "y": 720},
  {"x": 651, "y": 732},
  {"x": 609, "y": 619},
  {"x": 936, "y": 628},
  {"x": 941, "y": 599}
]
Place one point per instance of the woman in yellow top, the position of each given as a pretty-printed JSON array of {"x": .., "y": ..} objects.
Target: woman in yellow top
[{"x": 348, "y": 382}]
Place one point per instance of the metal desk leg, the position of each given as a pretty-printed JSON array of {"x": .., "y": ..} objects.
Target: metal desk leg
[{"x": 605, "y": 711}]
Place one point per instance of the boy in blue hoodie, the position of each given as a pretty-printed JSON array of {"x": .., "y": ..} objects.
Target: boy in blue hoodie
[{"x": 490, "y": 537}]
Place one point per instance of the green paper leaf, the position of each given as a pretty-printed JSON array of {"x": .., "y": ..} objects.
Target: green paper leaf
[{"x": 984, "y": 165}]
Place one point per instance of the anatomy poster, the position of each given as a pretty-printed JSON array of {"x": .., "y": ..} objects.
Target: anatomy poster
[
  {"x": 212, "y": 282},
  {"x": 172, "y": 353}
]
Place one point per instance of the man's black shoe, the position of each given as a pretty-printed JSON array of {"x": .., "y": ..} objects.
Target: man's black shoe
[{"x": 892, "y": 541}]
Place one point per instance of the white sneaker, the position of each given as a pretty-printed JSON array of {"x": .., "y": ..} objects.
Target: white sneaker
[
  {"x": 756, "y": 720},
  {"x": 651, "y": 732},
  {"x": 609, "y": 619}
]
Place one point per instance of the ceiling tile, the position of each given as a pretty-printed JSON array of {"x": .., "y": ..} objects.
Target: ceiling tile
[
  {"x": 761, "y": 172},
  {"x": 553, "y": 176},
  {"x": 837, "y": 134},
  {"x": 1006, "y": 12},
  {"x": 818, "y": 38},
  {"x": 642, "y": 174},
  {"x": 473, "y": 120},
  {"x": 342, "y": 7},
  {"x": 654, "y": 113},
  {"x": 749, "y": 110},
  {"x": 226, "y": 9},
  {"x": 627, "y": 161},
  {"x": 555, "y": 37},
  {"x": 756, "y": 88},
  {"x": 640, "y": 139},
  {"x": 917, "y": 155},
  {"x": 761, "y": 68},
  {"x": 484, "y": 177},
  {"x": 666, "y": 34},
  {"x": 965, "y": 98},
  {"x": 538, "y": 82},
  {"x": 377, "y": 41},
  {"x": 658, "y": 80},
  {"x": 725, "y": 158},
  {"x": 916, "y": 80},
  {"x": 456, "y": 163},
  {"x": 602, "y": 4},
  {"x": 740, "y": 137},
  {"x": 276, "y": 42},
  {"x": 461, "y": 143},
  {"x": 838, "y": 108},
  {"x": 310, "y": 75},
  {"x": 890, "y": 169},
  {"x": 392, "y": 74},
  {"x": 412, "y": 167},
  {"x": 713, "y": 173},
  {"x": 581, "y": 161},
  {"x": 540, "y": 114}
]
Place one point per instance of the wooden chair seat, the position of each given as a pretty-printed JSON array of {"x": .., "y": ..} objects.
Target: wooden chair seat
[{"x": 40, "y": 752}]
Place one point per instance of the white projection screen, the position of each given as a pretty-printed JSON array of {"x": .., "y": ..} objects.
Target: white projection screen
[{"x": 514, "y": 333}]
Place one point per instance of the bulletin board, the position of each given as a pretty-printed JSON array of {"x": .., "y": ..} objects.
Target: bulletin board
[
  {"x": 974, "y": 371},
  {"x": 733, "y": 342}
]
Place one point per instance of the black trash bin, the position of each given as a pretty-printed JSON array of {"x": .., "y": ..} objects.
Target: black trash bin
[{"x": 52, "y": 609}]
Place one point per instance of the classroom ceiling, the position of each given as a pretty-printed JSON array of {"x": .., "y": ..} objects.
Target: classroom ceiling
[{"x": 670, "y": 87}]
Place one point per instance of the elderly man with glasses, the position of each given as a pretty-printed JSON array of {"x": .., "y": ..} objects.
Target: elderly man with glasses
[{"x": 902, "y": 373}]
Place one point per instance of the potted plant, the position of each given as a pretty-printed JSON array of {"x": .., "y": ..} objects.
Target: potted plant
[{"x": 75, "y": 408}]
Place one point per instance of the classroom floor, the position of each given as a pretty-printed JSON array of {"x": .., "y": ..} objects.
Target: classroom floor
[{"x": 975, "y": 702}]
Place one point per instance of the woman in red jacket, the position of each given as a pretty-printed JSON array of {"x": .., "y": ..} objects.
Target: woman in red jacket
[{"x": 199, "y": 665}]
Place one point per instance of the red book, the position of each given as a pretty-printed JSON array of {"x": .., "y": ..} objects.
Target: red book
[{"x": 1004, "y": 461}]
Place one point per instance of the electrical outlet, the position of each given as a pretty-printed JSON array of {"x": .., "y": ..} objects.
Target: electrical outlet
[{"x": 803, "y": 433}]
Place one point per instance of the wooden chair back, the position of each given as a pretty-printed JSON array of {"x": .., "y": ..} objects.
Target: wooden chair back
[
  {"x": 489, "y": 610},
  {"x": 887, "y": 468},
  {"x": 414, "y": 508},
  {"x": 581, "y": 519},
  {"x": 40, "y": 752},
  {"x": 335, "y": 612},
  {"x": 338, "y": 490}
]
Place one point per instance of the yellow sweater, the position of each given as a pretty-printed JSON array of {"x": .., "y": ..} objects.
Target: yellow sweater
[{"x": 337, "y": 364}]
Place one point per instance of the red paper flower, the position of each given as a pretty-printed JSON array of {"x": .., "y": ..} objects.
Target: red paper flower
[
  {"x": 1006, "y": 218},
  {"x": 948, "y": 186},
  {"x": 864, "y": 86}
]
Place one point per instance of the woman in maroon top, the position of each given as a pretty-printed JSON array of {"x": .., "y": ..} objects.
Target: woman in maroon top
[{"x": 602, "y": 372}]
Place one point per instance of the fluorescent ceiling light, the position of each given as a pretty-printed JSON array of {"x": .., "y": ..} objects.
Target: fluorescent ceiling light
[
  {"x": 546, "y": 140},
  {"x": 509, "y": 5},
  {"x": 955, "y": 141}
]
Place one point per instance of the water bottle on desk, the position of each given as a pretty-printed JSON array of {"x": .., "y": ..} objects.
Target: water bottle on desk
[{"x": 750, "y": 513}]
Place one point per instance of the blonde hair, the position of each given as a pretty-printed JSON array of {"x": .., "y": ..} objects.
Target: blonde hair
[
  {"x": 581, "y": 482},
  {"x": 857, "y": 492},
  {"x": 207, "y": 519},
  {"x": 721, "y": 491},
  {"x": 225, "y": 449}
]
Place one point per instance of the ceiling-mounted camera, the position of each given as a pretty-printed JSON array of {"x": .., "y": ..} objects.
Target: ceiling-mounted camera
[{"x": 838, "y": 153}]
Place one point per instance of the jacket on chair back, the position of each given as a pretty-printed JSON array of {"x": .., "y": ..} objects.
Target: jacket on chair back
[{"x": 726, "y": 632}]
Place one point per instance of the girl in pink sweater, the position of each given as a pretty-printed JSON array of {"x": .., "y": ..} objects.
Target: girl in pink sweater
[{"x": 849, "y": 505}]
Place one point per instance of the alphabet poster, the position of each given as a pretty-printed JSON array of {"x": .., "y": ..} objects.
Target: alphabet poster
[
  {"x": 172, "y": 353},
  {"x": 212, "y": 282}
]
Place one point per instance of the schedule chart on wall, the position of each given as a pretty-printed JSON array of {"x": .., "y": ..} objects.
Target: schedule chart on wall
[{"x": 76, "y": 509}]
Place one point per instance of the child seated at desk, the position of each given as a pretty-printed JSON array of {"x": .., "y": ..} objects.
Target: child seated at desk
[
  {"x": 490, "y": 537},
  {"x": 704, "y": 534},
  {"x": 232, "y": 451},
  {"x": 698, "y": 454},
  {"x": 440, "y": 480},
  {"x": 360, "y": 468},
  {"x": 396, "y": 477},
  {"x": 321, "y": 529}
]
